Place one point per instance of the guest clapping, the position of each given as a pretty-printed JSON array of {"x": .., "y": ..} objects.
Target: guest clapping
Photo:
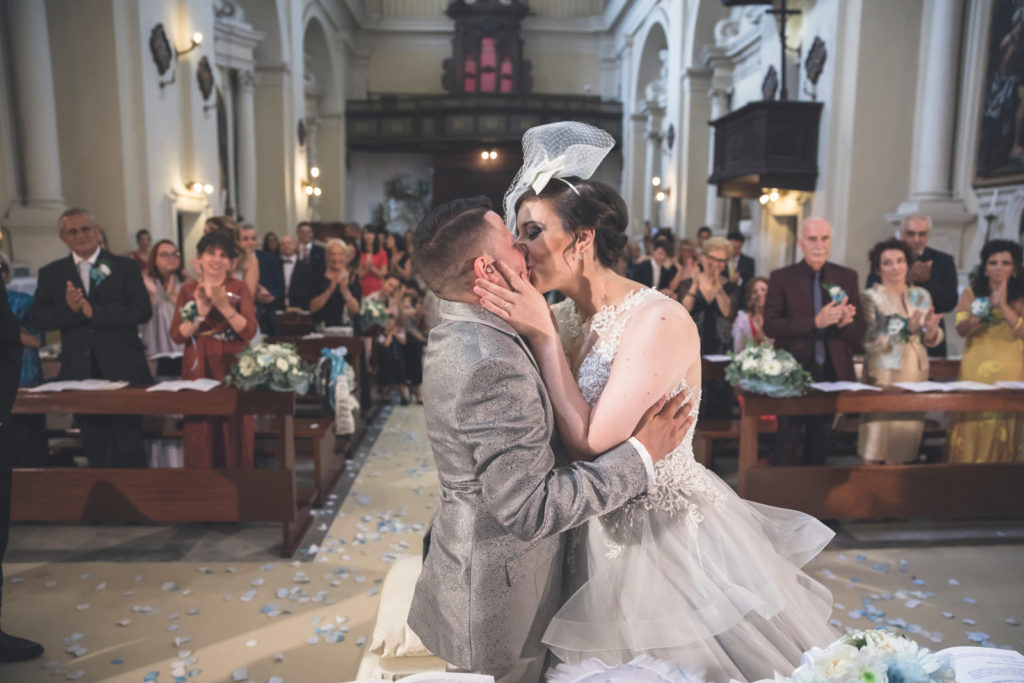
[
  {"x": 812, "y": 310},
  {"x": 748, "y": 328},
  {"x": 298, "y": 276},
  {"x": 339, "y": 292},
  {"x": 373, "y": 263},
  {"x": 143, "y": 240},
  {"x": 163, "y": 279},
  {"x": 901, "y": 322},
  {"x": 215, "y": 318},
  {"x": 990, "y": 315},
  {"x": 399, "y": 261}
]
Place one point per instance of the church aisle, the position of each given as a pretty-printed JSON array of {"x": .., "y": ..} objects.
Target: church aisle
[
  {"x": 287, "y": 621},
  {"x": 308, "y": 621}
]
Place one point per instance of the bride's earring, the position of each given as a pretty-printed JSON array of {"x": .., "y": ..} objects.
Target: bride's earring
[{"x": 581, "y": 256}]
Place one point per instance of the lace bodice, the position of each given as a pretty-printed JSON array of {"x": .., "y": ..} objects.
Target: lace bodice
[{"x": 682, "y": 484}]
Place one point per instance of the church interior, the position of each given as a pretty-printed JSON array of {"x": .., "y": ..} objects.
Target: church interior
[{"x": 743, "y": 117}]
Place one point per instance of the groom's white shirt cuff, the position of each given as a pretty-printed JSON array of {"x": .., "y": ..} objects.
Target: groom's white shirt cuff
[{"x": 646, "y": 457}]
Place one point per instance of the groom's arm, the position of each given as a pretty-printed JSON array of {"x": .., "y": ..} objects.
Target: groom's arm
[{"x": 502, "y": 420}]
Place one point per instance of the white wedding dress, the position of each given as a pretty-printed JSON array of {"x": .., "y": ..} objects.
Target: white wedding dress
[{"x": 689, "y": 572}]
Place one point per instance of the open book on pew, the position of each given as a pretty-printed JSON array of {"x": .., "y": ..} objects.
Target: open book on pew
[
  {"x": 201, "y": 384},
  {"x": 964, "y": 385},
  {"x": 79, "y": 385},
  {"x": 985, "y": 664},
  {"x": 843, "y": 386}
]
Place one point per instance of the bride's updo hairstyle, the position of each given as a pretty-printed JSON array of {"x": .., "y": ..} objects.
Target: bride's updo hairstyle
[{"x": 597, "y": 206}]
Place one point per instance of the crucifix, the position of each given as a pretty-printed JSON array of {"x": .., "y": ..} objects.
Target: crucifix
[{"x": 781, "y": 15}]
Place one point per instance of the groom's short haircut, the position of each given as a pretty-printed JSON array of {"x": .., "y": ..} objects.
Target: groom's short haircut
[{"x": 447, "y": 241}]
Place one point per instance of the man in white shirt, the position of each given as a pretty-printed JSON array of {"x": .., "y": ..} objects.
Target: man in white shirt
[{"x": 298, "y": 278}]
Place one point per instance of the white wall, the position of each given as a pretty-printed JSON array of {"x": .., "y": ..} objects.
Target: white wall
[{"x": 369, "y": 171}]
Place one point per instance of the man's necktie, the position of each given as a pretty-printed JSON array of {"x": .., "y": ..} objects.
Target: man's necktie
[
  {"x": 819, "y": 341},
  {"x": 84, "y": 269}
]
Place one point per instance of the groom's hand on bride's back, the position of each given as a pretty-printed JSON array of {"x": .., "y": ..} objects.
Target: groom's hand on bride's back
[{"x": 664, "y": 425}]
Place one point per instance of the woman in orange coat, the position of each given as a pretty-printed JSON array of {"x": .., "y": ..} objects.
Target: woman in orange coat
[{"x": 215, "y": 318}]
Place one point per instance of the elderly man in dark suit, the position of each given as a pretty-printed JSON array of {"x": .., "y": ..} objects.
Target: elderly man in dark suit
[
  {"x": 821, "y": 328},
  {"x": 932, "y": 269},
  {"x": 97, "y": 301},
  {"x": 12, "y": 648}
]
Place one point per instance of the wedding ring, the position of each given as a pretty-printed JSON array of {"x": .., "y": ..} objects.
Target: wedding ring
[{"x": 507, "y": 307}]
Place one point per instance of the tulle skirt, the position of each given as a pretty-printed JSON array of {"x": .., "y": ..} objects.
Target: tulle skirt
[{"x": 716, "y": 586}]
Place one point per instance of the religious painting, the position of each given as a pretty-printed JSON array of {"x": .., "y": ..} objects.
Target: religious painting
[{"x": 1001, "y": 132}]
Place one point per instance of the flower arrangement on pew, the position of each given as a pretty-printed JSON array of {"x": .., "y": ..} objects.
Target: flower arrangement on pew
[
  {"x": 763, "y": 369},
  {"x": 373, "y": 311},
  {"x": 874, "y": 656},
  {"x": 270, "y": 366}
]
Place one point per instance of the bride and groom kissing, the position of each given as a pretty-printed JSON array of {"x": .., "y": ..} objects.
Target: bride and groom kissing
[{"x": 573, "y": 517}]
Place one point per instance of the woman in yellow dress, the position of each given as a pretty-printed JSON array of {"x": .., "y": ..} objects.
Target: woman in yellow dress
[
  {"x": 901, "y": 322},
  {"x": 990, "y": 315}
]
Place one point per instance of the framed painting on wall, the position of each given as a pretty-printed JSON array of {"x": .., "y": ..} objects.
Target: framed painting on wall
[{"x": 1000, "y": 158}]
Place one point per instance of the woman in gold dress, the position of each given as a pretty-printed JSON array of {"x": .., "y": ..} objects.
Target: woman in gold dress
[
  {"x": 990, "y": 315},
  {"x": 901, "y": 322}
]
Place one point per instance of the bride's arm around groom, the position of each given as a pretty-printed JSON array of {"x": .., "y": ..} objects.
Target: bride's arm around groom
[{"x": 492, "y": 569}]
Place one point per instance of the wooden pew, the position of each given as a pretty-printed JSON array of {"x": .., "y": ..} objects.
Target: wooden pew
[
  {"x": 167, "y": 495},
  {"x": 309, "y": 351},
  {"x": 709, "y": 431},
  {"x": 295, "y": 323},
  {"x": 878, "y": 491},
  {"x": 315, "y": 438}
]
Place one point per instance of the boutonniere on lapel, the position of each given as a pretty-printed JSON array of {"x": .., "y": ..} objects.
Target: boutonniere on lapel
[
  {"x": 100, "y": 272},
  {"x": 835, "y": 292}
]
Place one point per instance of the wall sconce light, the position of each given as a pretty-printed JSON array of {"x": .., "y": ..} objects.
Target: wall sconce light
[
  {"x": 314, "y": 172},
  {"x": 488, "y": 154},
  {"x": 309, "y": 188},
  {"x": 198, "y": 187},
  {"x": 197, "y": 40},
  {"x": 768, "y": 195},
  {"x": 656, "y": 181},
  {"x": 164, "y": 55}
]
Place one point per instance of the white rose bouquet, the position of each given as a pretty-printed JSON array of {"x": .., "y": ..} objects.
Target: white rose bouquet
[
  {"x": 981, "y": 308},
  {"x": 373, "y": 311},
  {"x": 877, "y": 656},
  {"x": 763, "y": 369},
  {"x": 270, "y": 366}
]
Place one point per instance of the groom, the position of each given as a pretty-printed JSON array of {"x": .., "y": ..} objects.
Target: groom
[{"x": 492, "y": 567}]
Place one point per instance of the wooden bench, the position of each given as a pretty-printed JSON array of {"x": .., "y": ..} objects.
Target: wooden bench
[
  {"x": 872, "y": 492},
  {"x": 167, "y": 495},
  {"x": 709, "y": 431},
  {"x": 295, "y": 323},
  {"x": 315, "y": 439}
]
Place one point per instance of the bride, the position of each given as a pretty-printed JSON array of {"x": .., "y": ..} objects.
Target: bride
[{"x": 689, "y": 572}]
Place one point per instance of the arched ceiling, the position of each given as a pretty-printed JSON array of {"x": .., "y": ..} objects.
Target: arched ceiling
[{"x": 421, "y": 9}]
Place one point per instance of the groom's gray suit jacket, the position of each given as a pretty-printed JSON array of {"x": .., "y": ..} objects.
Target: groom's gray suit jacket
[{"x": 492, "y": 571}]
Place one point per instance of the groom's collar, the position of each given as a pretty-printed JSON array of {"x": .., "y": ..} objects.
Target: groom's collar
[{"x": 454, "y": 310}]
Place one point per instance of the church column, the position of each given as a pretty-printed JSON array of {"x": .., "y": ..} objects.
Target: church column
[
  {"x": 652, "y": 166},
  {"x": 37, "y": 111},
  {"x": 720, "y": 94},
  {"x": 246, "y": 147},
  {"x": 634, "y": 184},
  {"x": 930, "y": 174},
  {"x": 937, "y": 107}
]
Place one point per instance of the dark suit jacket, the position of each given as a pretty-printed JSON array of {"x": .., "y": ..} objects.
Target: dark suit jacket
[
  {"x": 942, "y": 285},
  {"x": 789, "y": 316},
  {"x": 271, "y": 277},
  {"x": 644, "y": 274},
  {"x": 110, "y": 339},
  {"x": 317, "y": 258},
  {"x": 301, "y": 289},
  {"x": 746, "y": 269},
  {"x": 10, "y": 355}
]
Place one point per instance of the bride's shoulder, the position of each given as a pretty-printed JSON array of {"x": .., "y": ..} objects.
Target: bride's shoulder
[{"x": 662, "y": 315}]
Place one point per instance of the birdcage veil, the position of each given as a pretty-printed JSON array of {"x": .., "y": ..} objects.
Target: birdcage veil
[{"x": 556, "y": 150}]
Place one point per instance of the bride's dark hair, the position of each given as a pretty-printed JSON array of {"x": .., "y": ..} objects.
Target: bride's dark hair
[{"x": 597, "y": 206}]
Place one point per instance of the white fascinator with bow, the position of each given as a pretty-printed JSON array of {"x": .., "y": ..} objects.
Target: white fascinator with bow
[{"x": 556, "y": 151}]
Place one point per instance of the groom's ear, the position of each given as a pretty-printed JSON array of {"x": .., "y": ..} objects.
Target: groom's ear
[{"x": 484, "y": 269}]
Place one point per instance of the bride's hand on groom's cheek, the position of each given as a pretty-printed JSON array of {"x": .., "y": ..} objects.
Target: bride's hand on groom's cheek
[{"x": 519, "y": 303}]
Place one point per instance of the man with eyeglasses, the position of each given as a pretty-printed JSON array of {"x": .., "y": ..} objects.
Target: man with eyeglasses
[
  {"x": 97, "y": 300},
  {"x": 812, "y": 309},
  {"x": 932, "y": 269}
]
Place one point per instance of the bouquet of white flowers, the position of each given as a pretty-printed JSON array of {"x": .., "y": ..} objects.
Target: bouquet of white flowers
[
  {"x": 877, "y": 656},
  {"x": 898, "y": 328},
  {"x": 763, "y": 369},
  {"x": 273, "y": 366},
  {"x": 981, "y": 308},
  {"x": 373, "y": 311}
]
